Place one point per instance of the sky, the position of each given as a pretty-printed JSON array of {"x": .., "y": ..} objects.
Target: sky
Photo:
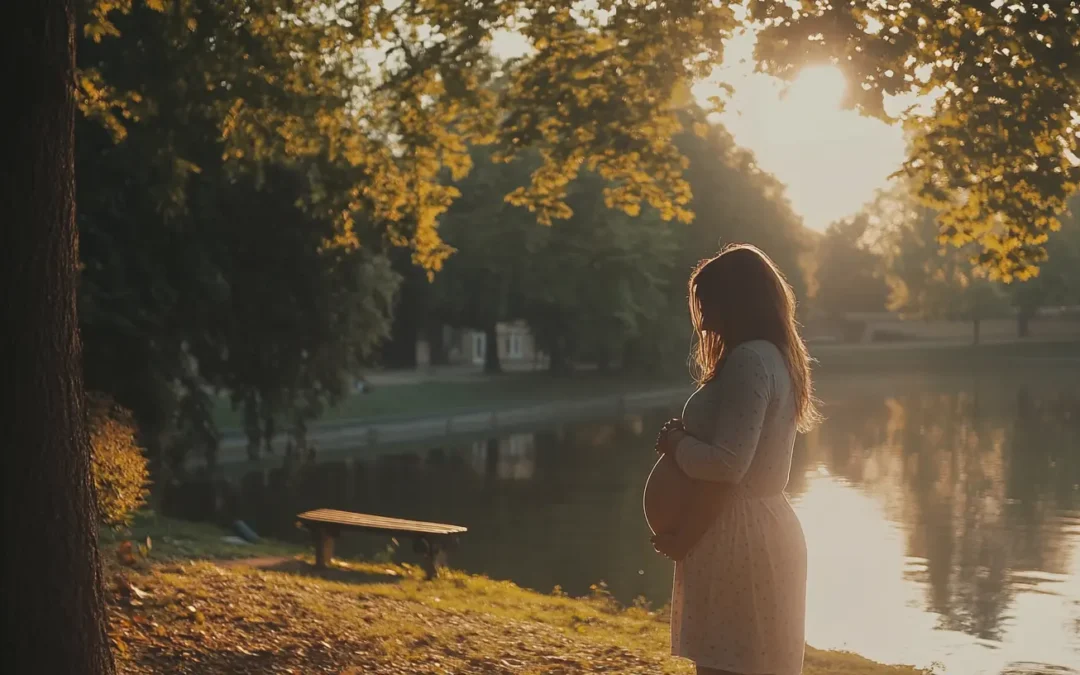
[{"x": 831, "y": 160}]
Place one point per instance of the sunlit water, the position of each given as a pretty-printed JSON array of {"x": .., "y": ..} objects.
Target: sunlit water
[{"x": 942, "y": 514}]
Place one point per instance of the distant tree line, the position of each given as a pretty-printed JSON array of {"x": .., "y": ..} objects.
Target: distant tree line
[
  {"x": 258, "y": 217},
  {"x": 237, "y": 293},
  {"x": 600, "y": 287},
  {"x": 891, "y": 257},
  {"x": 244, "y": 234}
]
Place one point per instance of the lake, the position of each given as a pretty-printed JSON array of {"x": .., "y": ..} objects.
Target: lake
[{"x": 942, "y": 513}]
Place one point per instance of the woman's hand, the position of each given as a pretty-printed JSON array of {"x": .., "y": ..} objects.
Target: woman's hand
[
  {"x": 673, "y": 545},
  {"x": 670, "y": 434}
]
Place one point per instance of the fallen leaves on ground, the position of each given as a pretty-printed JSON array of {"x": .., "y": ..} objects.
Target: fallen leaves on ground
[
  {"x": 204, "y": 618},
  {"x": 278, "y": 615}
]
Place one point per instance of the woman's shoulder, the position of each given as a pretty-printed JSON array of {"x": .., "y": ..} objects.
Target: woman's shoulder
[
  {"x": 756, "y": 352},
  {"x": 759, "y": 360}
]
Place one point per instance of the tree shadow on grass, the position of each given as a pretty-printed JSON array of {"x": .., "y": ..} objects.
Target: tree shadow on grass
[{"x": 338, "y": 571}]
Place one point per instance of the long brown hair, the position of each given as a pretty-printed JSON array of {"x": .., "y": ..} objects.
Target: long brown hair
[{"x": 741, "y": 295}]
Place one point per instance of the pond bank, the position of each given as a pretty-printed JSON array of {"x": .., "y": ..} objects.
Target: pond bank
[
  {"x": 430, "y": 410},
  {"x": 360, "y": 433},
  {"x": 184, "y": 610}
]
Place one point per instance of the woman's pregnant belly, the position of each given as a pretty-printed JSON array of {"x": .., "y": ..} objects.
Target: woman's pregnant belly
[{"x": 672, "y": 500}]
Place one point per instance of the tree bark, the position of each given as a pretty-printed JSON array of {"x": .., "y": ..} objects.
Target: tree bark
[
  {"x": 558, "y": 363},
  {"x": 1023, "y": 322},
  {"x": 491, "y": 458},
  {"x": 53, "y": 599},
  {"x": 437, "y": 355},
  {"x": 492, "y": 364}
]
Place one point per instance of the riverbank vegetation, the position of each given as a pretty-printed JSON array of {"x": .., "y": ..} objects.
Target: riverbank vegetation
[{"x": 196, "y": 604}]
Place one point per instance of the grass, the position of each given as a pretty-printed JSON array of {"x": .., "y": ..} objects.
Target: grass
[
  {"x": 181, "y": 540},
  {"x": 479, "y": 394},
  {"x": 190, "y": 607},
  {"x": 841, "y": 359}
]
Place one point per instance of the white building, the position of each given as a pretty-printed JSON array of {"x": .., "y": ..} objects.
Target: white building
[{"x": 466, "y": 346}]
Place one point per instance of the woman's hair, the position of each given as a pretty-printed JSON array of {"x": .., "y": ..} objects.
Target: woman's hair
[{"x": 740, "y": 295}]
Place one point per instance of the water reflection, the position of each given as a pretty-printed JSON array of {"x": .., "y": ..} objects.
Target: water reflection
[
  {"x": 942, "y": 514},
  {"x": 509, "y": 458},
  {"x": 980, "y": 485}
]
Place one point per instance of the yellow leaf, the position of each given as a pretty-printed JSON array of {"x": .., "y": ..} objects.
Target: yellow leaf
[{"x": 681, "y": 96}]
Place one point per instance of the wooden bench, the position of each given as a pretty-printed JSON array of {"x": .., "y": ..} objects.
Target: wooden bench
[{"x": 431, "y": 540}]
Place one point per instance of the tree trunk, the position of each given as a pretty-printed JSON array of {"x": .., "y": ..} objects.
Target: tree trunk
[
  {"x": 492, "y": 365},
  {"x": 491, "y": 458},
  {"x": 252, "y": 426},
  {"x": 437, "y": 355},
  {"x": 975, "y": 330},
  {"x": 400, "y": 350},
  {"x": 603, "y": 359},
  {"x": 53, "y": 599},
  {"x": 559, "y": 362},
  {"x": 413, "y": 296},
  {"x": 1023, "y": 323}
]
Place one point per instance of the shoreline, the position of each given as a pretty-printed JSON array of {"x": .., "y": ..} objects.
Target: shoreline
[
  {"x": 361, "y": 434},
  {"x": 197, "y": 604},
  {"x": 848, "y": 361}
]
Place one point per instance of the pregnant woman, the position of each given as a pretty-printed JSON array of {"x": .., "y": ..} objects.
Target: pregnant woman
[{"x": 739, "y": 598}]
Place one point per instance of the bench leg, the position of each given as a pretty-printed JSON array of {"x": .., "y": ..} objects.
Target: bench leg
[
  {"x": 433, "y": 556},
  {"x": 324, "y": 546}
]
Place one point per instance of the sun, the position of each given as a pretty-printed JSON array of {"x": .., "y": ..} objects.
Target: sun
[
  {"x": 818, "y": 88},
  {"x": 831, "y": 159}
]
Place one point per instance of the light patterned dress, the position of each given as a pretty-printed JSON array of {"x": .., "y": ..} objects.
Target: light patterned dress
[{"x": 739, "y": 598}]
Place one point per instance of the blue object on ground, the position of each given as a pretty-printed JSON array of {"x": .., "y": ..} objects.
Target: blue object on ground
[{"x": 245, "y": 532}]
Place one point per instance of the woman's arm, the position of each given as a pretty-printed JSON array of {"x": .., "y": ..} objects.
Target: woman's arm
[{"x": 739, "y": 401}]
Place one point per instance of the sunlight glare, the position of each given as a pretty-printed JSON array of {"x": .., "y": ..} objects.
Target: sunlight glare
[
  {"x": 818, "y": 89},
  {"x": 831, "y": 160}
]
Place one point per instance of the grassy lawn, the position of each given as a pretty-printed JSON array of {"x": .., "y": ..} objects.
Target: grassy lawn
[
  {"x": 841, "y": 359},
  {"x": 191, "y": 608},
  {"x": 181, "y": 540},
  {"x": 403, "y": 401},
  {"x": 489, "y": 393}
]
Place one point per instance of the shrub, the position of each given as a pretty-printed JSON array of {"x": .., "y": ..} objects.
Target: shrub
[
  {"x": 601, "y": 598},
  {"x": 118, "y": 464}
]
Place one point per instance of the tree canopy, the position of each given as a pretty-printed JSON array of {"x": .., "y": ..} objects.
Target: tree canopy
[
  {"x": 996, "y": 151},
  {"x": 601, "y": 286},
  {"x": 397, "y": 90},
  {"x": 246, "y": 167},
  {"x": 241, "y": 161},
  {"x": 211, "y": 263}
]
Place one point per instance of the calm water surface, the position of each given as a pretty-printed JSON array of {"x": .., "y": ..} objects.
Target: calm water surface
[{"x": 942, "y": 513}]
